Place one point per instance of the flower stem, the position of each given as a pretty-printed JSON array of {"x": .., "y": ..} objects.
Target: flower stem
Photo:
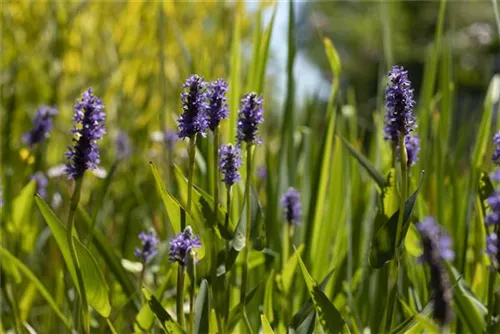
[
  {"x": 191, "y": 153},
  {"x": 403, "y": 158},
  {"x": 216, "y": 206},
  {"x": 180, "y": 297},
  {"x": 191, "y": 302},
  {"x": 75, "y": 199},
  {"x": 244, "y": 279},
  {"x": 491, "y": 291}
]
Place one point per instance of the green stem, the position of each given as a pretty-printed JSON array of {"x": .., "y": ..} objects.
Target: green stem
[
  {"x": 244, "y": 280},
  {"x": 191, "y": 302},
  {"x": 191, "y": 153},
  {"x": 286, "y": 305},
  {"x": 141, "y": 279},
  {"x": 227, "y": 279},
  {"x": 397, "y": 263},
  {"x": 491, "y": 292},
  {"x": 216, "y": 205},
  {"x": 180, "y": 296},
  {"x": 75, "y": 199}
]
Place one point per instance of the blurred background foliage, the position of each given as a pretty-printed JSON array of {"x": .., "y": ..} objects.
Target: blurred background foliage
[{"x": 137, "y": 54}]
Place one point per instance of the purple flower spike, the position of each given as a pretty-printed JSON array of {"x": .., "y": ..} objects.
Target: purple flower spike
[
  {"x": 193, "y": 119},
  {"x": 496, "y": 152},
  {"x": 229, "y": 162},
  {"x": 217, "y": 106},
  {"x": 493, "y": 217},
  {"x": 492, "y": 249},
  {"x": 249, "y": 117},
  {"x": 495, "y": 176},
  {"x": 182, "y": 244},
  {"x": 123, "y": 149},
  {"x": 170, "y": 137},
  {"x": 292, "y": 208},
  {"x": 41, "y": 183},
  {"x": 399, "y": 105},
  {"x": 149, "y": 246},
  {"x": 42, "y": 125},
  {"x": 437, "y": 248},
  {"x": 89, "y": 121}
]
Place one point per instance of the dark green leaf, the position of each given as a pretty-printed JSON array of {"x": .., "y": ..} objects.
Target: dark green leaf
[
  {"x": 365, "y": 163},
  {"x": 202, "y": 309},
  {"x": 384, "y": 241},
  {"x": 166, "y": 320},
  {"x": 330, "y": 318}
]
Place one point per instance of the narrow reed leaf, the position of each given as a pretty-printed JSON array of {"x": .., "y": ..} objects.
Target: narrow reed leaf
[
  {"x": 376, "y": 175},
  {"x": 384, "y": 240},
  {"x": 289, "y": 270},
  {"x": 145, "y": 318},
  {"x": 166, "y": 320},
  {"x": 266, "y": 326},
  {"x": 301, "y": 316},
  {"x": 268, "y": 297},
  {"x": 467, "y": 306},
  {"x": 96, "y": 285},
  {"x": 484, "y": 131},
  {"x": 22, "y": 206},
  {"x": 330, "y": 317},
  {"x": 202, "y": 309}
]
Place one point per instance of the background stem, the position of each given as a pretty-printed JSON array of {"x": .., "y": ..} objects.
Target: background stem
[
  {"x": 180, "y": 297},
  {"x": 75, "y": 199}
]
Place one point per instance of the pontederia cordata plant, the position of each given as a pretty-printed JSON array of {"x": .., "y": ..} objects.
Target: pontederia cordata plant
[{"x": 356, "y": 212}]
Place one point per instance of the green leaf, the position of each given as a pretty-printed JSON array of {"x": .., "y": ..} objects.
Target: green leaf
[
  {"x": 301, "y": 316},
  {"x": 307, "y": 326},
  {"x": 96, "y": 285},
  {"x": 266, "y": 326},
  {"x": 111, "y": 259},
  {"x": 268, "y": 297},
  {"x": 22, "y": 205},
  {"x": 485, "y": 190},
  {"x": 38, "y": 285},
  {"x": 145, "y": 318},
  {"x": 234, "y": 76},
  {"x": 483, "y": 135},
  {"x": 289, "y": 270},
  {"x": 330, "y": 318},
  {"x": 166, "y": 320},
  {"x": 333, "y": 57},
  {"x": 202, "y": 309},
  {"x": 384, "y": 241},
  {"x": 236, "y": 312},
  {"x": 365, "y": 163},
  {"x": 172, "y": 208},
  {"x": 469, "y": 308},
  {"x": 264, "y": 53}
]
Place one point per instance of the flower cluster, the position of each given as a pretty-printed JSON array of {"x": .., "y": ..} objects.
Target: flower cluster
[
  {"x": 493, "y": 217},
  {"x": 41, "y": 183},
  {"x": 193, "y": 119},
  {"x": 437, "y": 248},
  {"x": 250, "y": 116},
  {"x": 89, "y": 121},
  {"x": 229, "y": 162},
  {"x": 183, "y": 243},
  {"x": 149, "y": 246},
  {"x": 123, "y": 149},
  {"x": 217, "y": 107},
  {"x": 292, "y": 208},
  {"x": 42, "y": 125},
  {"x": 496, "y": 151},
  {"x": 492, "y": 249},
  {"x": 169, "y": 138},
  {"x": 399, "y": 105}
]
